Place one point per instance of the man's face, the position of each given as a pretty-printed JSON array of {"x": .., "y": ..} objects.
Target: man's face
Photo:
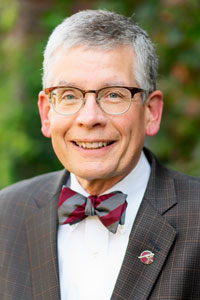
[{"x": 91, "y": 144}]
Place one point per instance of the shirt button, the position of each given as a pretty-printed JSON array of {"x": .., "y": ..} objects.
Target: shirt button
[{"x": 95, "y": 254}]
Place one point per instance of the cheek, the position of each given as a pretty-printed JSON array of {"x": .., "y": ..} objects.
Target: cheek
[
  {"x": 59, "y": 125},
  {"x": 133, "y": 129},
  {"x": 59, "y": 130},
  {"x": 58, "y": 141},
  {"x": 127, "y": 127}
]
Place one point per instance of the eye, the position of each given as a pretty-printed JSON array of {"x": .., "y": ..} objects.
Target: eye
[
  {"x": 68, "y": 97},
  {"x": 113, "y": 95}
]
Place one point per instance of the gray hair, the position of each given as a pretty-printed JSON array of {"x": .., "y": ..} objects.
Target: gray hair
[{"x": 105, "y": 29}]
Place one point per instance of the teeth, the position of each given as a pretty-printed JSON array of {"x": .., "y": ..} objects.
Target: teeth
[{"x": 94, "y": 145}]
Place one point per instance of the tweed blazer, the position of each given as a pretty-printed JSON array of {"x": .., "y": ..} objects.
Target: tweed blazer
[{"x": 168, "y": 224}]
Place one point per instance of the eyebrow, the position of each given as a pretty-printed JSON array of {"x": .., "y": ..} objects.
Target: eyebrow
[
  {"x": 115, "y": 83},
  {"x": 63, "y": 82},
  {"x": 108, "y": 83}
]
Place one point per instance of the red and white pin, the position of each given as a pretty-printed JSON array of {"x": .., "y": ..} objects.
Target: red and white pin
[{"x": 146, "y": 257}]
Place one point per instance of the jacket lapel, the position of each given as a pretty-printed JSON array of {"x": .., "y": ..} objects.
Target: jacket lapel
[
  {"x": 150, "y": 232},
  {"x": 41, "y": 229}
]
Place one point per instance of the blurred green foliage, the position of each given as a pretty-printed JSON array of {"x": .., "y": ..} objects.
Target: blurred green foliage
[{"x": 174, "y": 26}]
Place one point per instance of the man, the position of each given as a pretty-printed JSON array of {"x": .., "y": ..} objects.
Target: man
[{"x": 99, "y": 103}]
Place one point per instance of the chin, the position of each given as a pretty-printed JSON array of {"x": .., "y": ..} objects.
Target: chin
[{"x": 90, "y": 175}]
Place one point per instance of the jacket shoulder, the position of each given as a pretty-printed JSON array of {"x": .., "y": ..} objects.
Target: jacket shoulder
[
  {"x": 164, "y": 179},
  {"x": 22, "y": 189},
  {"x": 162, "y": 171}
]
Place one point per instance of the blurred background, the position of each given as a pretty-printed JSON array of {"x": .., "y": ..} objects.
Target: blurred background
[{"x": 174, "y": 27}]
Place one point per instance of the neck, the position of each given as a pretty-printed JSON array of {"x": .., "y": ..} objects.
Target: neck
[{"x": 95, "y": 187}]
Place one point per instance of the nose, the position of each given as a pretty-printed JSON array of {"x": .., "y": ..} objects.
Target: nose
[{"x": 91, "y": 114}]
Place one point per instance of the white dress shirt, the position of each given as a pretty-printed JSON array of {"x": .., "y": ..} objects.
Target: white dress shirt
[{"x": 90, "y": 256}]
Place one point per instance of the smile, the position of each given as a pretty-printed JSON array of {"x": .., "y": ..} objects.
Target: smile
[{"x": 93, "y": 145}]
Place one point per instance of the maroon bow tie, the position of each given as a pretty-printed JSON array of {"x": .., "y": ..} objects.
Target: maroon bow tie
[{"x": 74, "y": 207}]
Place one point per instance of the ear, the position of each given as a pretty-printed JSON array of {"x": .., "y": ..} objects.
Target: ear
[
  {"x": 154, "y": 109},
  {"x": 44, "y": 108}
]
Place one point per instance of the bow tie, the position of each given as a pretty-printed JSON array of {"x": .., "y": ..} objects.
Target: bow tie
[{"x": 74, "y": 207}]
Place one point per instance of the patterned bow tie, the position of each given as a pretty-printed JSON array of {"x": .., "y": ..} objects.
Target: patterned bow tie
[{"x": 74, "y": 207}]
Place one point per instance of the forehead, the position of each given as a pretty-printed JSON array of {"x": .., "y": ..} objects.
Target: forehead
[{"x": 89, "y": 65}]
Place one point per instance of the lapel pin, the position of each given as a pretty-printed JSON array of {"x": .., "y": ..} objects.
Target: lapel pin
[{"x": 146, "y": 257}]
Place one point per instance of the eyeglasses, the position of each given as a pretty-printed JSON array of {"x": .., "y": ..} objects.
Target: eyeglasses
[{"x": 113, "y": 100}]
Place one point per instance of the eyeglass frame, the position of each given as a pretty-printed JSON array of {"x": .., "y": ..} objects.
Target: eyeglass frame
[{"x": 133, "y": 90}]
